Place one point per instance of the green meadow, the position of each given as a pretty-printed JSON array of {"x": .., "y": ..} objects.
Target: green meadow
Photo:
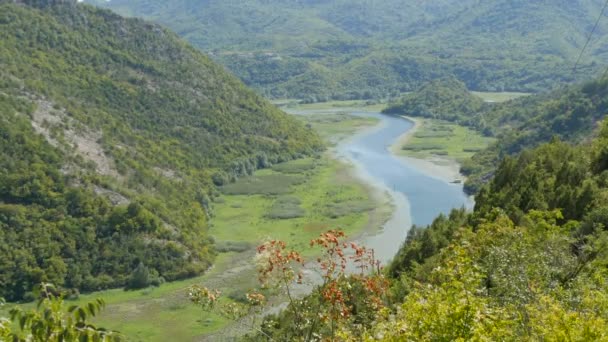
[
  {"x": 435, "y": 138},
  {"x": 294, "y": 202},
  {"x": 335, "y": 127}
]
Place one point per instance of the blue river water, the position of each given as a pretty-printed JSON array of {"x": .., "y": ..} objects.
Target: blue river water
[{"x": 427, "y": 196}]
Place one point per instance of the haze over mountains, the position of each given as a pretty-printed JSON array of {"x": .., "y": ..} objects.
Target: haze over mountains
[{"x": 376, "y": 48}]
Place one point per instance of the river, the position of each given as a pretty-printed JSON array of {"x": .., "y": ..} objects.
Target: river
[{"x": 418, "y": 197}]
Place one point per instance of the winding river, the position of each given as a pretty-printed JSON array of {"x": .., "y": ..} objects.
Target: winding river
[{"x": 418, "y": 197}]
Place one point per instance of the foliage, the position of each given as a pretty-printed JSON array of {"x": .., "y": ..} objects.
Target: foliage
[
  {"x": 350, "y": 291},
  {"x": 554, "y": 176},
  {"x": 351, "y": 287},
  {"x": 505, "y": 282},
  {"x": 112, "y": 133},
  {"x": 51, "y": 321},
  {"x": 141, "y": 277},
  {"x": 524, "y": 265},
  {"x": 571, "y": 114},
  {"x": 424, "y": 242}
]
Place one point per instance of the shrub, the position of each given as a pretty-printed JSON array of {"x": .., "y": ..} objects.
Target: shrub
[
  {"x": 286, "y": 207},
  {"x": 263, "y": 185},
  {"x": 232, "y": 246},
  {"x": 346, "y": 208}
]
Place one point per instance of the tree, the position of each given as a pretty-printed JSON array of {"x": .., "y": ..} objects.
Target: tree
[
  {"x": 51, "y": 322},
  {"x": 140, "y": 277}
]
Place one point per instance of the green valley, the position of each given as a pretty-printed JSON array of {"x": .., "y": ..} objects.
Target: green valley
[
  {"x": 293, "y": 201},
  {"x": 310, "y": 170},
  {"x": 571, "y": 113}
]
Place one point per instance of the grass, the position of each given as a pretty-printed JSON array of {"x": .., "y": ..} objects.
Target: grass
[
  {"x": 263, "y": 184},
  {"x": 498, "y": 96},
  {"x": 359, "y": 105},
  {"x": 286, "y": 207},
  {"x": 334, "y": 127},
  {"x": 310, "y": 204},
  {"x": 438, "y": 138},
  {"x": 249, "y": 211},
  {"x": 296, "y": 166},
  {"x": 155, "y": 314}
]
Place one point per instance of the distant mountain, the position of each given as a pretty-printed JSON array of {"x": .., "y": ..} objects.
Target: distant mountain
[
  {"x": 375, "y": 48},
  {"x": 113, "y": 132}
]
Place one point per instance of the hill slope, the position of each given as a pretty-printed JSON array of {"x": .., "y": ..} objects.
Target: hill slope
[
  {"x": 490, "y": 45},
  {"x": 113, "y": 132},
  {"x": 445, "y": 99},
  {"x": 572, "y": 114}
]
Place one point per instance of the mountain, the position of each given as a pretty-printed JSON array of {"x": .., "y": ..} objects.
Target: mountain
[
  {"x": 113, "y": 135},
  {"x": 374, "y": 49}
]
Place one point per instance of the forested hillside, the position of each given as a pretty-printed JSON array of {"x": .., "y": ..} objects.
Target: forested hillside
[
  {"x": 571, "y": 114},
  {"x": 341, "y": 49},
  {"x": 444, "y": 99},
  {"x": 112, "y": 134},
  {"x": 529, "y": 263}
]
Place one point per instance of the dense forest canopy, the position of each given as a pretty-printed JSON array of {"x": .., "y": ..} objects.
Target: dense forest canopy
[
  {"x": 113, "y": 133},
  {"x": 341, "y": 49}
]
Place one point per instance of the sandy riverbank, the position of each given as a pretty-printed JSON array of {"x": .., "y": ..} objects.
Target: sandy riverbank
[{"x": 445, "y": 169}]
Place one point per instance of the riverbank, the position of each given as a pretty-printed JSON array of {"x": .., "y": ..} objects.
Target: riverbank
[
  {"x": 437, "y": 147},
  {"x": 446, "y": 169}
]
